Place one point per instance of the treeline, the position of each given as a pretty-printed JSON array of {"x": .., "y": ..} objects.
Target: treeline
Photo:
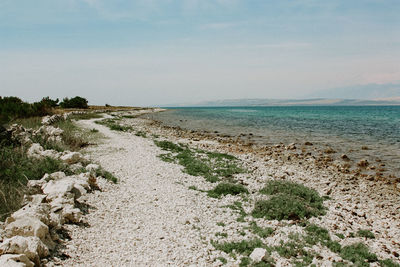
[{"x": 13, "y": 107}]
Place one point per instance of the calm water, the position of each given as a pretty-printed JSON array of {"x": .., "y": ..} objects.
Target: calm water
[{"x": 346, "y": 128}]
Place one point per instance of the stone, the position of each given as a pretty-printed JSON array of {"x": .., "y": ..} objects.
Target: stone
[
  {"x": 31, "y": 246},
  {"x": 258, "y": 254},
  {"x": 56, "y": 176},
  {"x": 92, "y": 167},
  {"x": 344, "y": 157},
  {"x": 35, "y": 186},
  {"x": 76, "y": 167},
  {"x": 329, "y": 150},
  {"x": 71, "y": 214},
  {"x": 363, "y": 163},
  {"x": 58, "y": 188},
  {"x": 35, "y": 151},
  {"x": 15, "y": 260},
  {"x": 38, "y": 211},
  {"x": 308, "y": 143},
  {"x": 27, "y": 227},
  {"x": 72, "y": 157},
  {"x": 50, "y": 153}
]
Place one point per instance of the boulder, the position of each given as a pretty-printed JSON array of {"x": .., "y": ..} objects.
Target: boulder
[
  {"x": 31, "y": 246},
  {"x": 27, "y": 227},
  {"x": 38, "y": 211},
  {"x": 72, "y": 157},
  {"x": 71, "y": 214},
  {"x": 258, "y": 254},
  {"x": 58, "y": 188},
  {"x": 50, "y": 153},
  {"x": 35, "y": 151},
  {"x": 92, "y": 167},
  {"x": 54, "y": 176},
  {"x": 35, "y": 186},
  {"x": 15, "y": 260}
]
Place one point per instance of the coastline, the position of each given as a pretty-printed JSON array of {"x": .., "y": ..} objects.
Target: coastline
[{"x": 355, "y": 201}]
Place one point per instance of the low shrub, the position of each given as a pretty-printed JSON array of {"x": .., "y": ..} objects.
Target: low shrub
[
  {"x": 223, "y": 189},
  {"x": 289, "y": 201},
  {"x": 359, "y": 254},
  {"x": 75, "y": 102}
]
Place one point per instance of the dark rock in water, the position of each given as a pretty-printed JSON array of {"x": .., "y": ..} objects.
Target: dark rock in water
[
  {"x": 292, "y": 146},
  {"x": 329, "y": 150},
  {"x": 363, "y": 163},
  {"x": 308, "y": 143},
  {"x": 364, "y": 148},
  {"x": 345, "y": 157}
]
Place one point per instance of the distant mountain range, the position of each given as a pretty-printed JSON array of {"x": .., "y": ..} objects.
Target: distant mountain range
[
  {"x": 291, "y": 102},
  {"x": 359, "y": 95}
]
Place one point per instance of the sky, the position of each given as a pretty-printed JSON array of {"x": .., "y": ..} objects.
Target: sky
[{"x": 154, "y": 52}]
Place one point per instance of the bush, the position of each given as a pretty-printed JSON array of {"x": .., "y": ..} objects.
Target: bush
[
  {"x": 227, "y": 189},
  {"x": 12, "y": 108},
  {"x": 289, "y": 201},
  {"x": 358, "y": 254},
  {"x": 76, "y": 102}
]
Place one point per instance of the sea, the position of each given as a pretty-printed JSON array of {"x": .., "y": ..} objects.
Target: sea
[{"x": 360, "y": 132}]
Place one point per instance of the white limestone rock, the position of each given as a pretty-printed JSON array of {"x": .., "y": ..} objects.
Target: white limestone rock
[
  {"x": 35, "y": 151},
  {"x": 15, "y": 260},
  {"x": 31, "y": 246},
  {"x": 258, "y": 254},
  {"x": 38, "y": 211},
  {"x": 58, "y": 188},
  {"x": 72, "y": 157},
  {"x": 92, "y": 167}
]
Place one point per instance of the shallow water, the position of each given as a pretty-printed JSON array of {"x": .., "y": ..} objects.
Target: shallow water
[{"x": 345, "y": 128}]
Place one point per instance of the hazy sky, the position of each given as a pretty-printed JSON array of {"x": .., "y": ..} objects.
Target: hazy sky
[{"x": 165, "y": 51}]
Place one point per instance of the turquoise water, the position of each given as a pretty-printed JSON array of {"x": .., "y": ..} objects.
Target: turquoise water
[{"x": 346, "y": 128}]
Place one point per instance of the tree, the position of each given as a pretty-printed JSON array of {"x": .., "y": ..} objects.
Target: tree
[{"x": 76, "y": 102}]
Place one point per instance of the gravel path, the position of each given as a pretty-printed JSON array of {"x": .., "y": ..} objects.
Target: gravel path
[{"x": 148, "y": 218}]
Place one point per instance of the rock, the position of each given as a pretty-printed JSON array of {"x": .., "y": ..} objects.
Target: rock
[
  {"x": 92, "y": 167},
  {"x": 329, "y": 150},
  {"x": 54, "y": 176},
  {"x": 51, "y": 153},
  {"x": 76, "y": 167},
  {"x": 58, "y": 188},
  {"x": 344, "y": 157},
  {"x": 308, "y": 143},
  {"x": 31, "y": 246},
  {"x": 72, "y": 157},
  {"x": 38, "y": 211},
  {"x": 291, "y": 146},
  {"x": 27, "y": 227},
  {"x": 35, "y": 199},
  {"x": 363, "y": 163},
  {"x": 71, "y": 214},
  {"x": 35, "y": 186},
  {"x": 35, "y": 151},
  {"x": 15, "y": 260},
  {"x": 258, "y": 254}
]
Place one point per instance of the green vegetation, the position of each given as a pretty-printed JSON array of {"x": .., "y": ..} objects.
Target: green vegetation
[
  {"x": 85, "y": 116},
  {"x": 227, "y": 189},
  {"x": 210, "y": 165},
  {"x": 222, "y": 259},
  {"x": 221, "y": 224},
  {"x": 75, "y": 102},
  {"x": 244, "y": 247},
  {"x": 388, "y": 263},
  {"x": 221, "y": 234},
  {"x": 289, "y": 201},
  {"x": 358, "y": 254},
  {"x": 238, "y": 207},
  {"x": 261, "y": 232},
  {"x": 141, "y": 134},
  {"x": 107, "y": 175},
  {"x": 111, "y": 123},
  {"x": 12, "y": 108},
  {"x": 245, "y": 261},
  {"x": 365, "y": 233},
  {"x": 295, "y": 248},
  {"x": 15, "y": 171},
  {"x": 316, "y": 234}
]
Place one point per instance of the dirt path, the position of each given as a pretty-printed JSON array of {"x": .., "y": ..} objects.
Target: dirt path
[{"x": 148, "y": 218}]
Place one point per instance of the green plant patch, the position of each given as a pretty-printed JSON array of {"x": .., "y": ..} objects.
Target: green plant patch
[
  {"x": 238, "y": 207},
  {"x": 196, "y": 162},
  {"x": 359, "y": 254},
  {"x": 260, "y": 231},
  {"x": 222, "y": 259},
  {"x": 316, "y": 234},
  {"x": 295, "y": 249},
  {"x": 85, "y": 116},
  {"x": 141, "y": 134},
  {"x": 107, "y": 175},
  {"x": 388, "y": 263},
  {"x": 289, "y": 201},
  {"x": 365, "y": 233},
  {"x": 223, "y": 189},
  {"x": 244, "y": 247}
]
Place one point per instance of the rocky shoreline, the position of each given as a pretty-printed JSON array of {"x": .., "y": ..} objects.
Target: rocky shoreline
[{"x": 159, "y": 214}]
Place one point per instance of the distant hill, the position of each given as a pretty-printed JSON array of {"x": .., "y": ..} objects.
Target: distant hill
[
  {"x": 291, "y": 102},
  {"x": 368, "y": 91}
]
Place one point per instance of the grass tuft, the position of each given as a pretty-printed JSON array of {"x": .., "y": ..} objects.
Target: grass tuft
[
  {"x": 359, "y": 254},
  {"x": 365, "y": 233},
  {"x": 261, "y": 232},
  {"x": 289, "y": 201},
  {"x": 223, "y": 189}
]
